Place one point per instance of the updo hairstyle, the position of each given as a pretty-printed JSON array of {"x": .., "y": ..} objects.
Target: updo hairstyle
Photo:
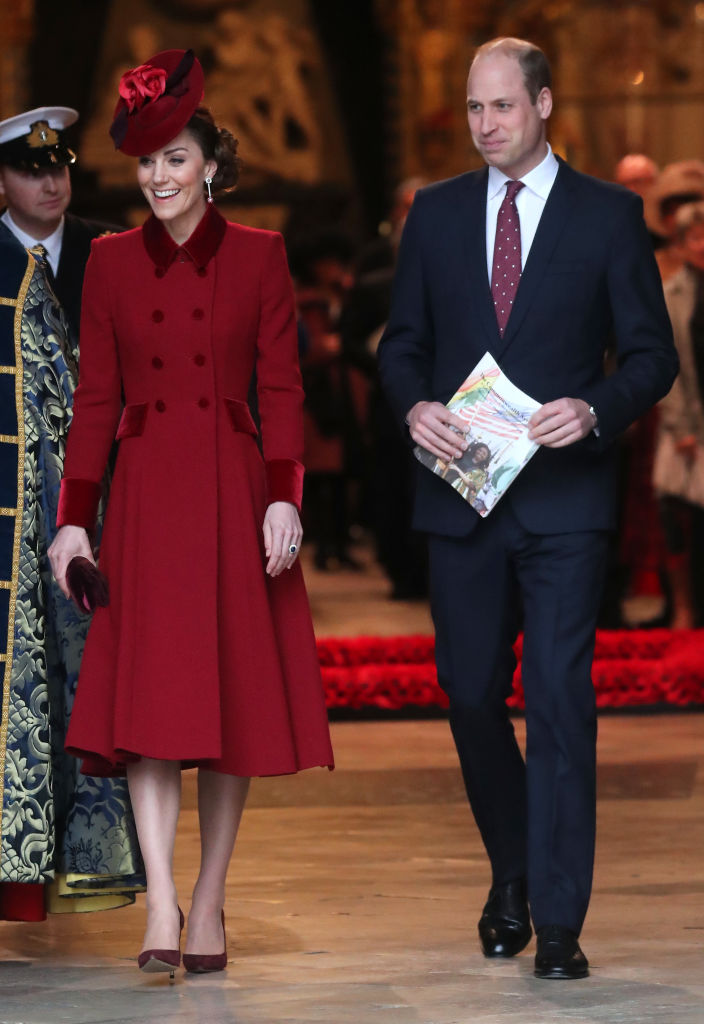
[{"x": 216, "y": 144}]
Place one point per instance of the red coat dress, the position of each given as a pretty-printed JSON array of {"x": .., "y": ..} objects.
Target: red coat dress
[{"x": 200, "y": 656}]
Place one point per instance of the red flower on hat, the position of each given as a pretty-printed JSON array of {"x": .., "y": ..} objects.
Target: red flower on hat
[{"x": 142, "y": 84}]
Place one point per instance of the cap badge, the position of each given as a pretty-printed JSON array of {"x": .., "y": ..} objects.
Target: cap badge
[{"x": 42, "y": 135}]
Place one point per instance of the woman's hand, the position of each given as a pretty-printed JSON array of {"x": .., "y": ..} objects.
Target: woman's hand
[
  {"x": 282, "y": 530},
  {"x": 68, "y": 542}
]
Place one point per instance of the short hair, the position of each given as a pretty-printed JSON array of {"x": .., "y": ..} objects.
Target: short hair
[
  {"x": 533, "y": 62},
  {"x": 687, "y": 216}
]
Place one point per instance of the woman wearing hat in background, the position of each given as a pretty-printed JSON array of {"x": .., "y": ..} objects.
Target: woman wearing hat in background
[{"x": 205, "y": 655}]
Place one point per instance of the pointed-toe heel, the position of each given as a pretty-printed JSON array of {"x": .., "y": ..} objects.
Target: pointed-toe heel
[
  {"x": 205, "y": 963},
  {"x": 162, "y": 961}
]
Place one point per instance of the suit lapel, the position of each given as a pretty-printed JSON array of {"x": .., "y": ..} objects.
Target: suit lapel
[
  {"x": 474, "y": 236},
  {"x": 551, "y": 226}
]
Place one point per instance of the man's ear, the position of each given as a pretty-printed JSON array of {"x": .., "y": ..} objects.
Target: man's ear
[{"x": 544, "y": 103}]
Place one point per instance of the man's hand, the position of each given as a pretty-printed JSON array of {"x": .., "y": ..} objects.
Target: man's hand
[
  {"x": 430, "y": 425},
  {"x": 557, "y": 424}
]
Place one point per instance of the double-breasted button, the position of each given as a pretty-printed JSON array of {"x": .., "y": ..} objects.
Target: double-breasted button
[
  {"x": 199, "y": 359},
  {"x": 160, "y": 406},
  {"x": 198, "y": 313},
  {"x": 157, "y": 363},
  {"x": 158, "y": 316},
  {"x": 159, "y": 272},
  {"x": 202, "y": 272},
  {"x": 203, "y": 403}
]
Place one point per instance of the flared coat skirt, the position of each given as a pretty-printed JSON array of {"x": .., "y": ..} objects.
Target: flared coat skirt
[{"x": 200, "y": 657}]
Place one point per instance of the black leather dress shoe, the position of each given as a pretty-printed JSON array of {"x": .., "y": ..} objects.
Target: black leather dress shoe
[
  {"x": 504, "y": 927},
  {"x": 559, "y": 955}
]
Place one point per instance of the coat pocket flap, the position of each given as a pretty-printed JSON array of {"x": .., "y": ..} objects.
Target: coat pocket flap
[
  {"x": 132, "y": 421},
  {"x": 240, "y": 417}
]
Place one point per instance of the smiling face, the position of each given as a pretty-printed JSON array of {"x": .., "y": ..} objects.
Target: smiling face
[
  {"x": 481, "y": 456},
  {"x": 36, "y": 202},
  {"x": 172, "y": 181},
  {"x": 507, "y": 128}
]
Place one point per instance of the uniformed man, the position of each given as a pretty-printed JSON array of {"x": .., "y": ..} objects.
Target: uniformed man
[{"x": 35, "y": 187}]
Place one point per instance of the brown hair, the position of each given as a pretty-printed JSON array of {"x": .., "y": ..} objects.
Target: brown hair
[
  {"x": 533, "y": 62},
  {"x": 216, "y": 144}
]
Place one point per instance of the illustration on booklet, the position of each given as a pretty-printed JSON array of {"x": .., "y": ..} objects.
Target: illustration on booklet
[{"x": 496, "y": 413}]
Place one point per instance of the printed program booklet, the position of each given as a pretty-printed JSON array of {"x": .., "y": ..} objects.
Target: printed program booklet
[{"x": 496, "y": 414}]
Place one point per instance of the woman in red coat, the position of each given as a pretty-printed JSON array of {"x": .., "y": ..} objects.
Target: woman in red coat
[{"x": 205, "y": 655}]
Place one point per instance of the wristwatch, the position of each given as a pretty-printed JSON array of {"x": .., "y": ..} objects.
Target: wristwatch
[{"x": 595, "y": 418}]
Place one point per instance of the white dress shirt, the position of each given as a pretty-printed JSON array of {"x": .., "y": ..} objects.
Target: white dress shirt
[
  {"x": 52, "y": 244},
  {"x": 530, "y": 203}
]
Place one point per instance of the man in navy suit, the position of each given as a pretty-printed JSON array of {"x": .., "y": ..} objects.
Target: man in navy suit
[{"x": 586, "y": 280}]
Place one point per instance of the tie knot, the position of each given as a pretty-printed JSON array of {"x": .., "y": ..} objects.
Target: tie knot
[{"x": 512, "y": 189}]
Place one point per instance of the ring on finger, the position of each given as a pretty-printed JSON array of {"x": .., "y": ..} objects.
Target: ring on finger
[{"x": 293, "y": 548}]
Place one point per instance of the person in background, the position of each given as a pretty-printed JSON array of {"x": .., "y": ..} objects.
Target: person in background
[
  {"x": 678, "y": 470},
  {"x": 639, "y": 173},
  {"x": 389, "y": 480},
  {"x": 68, "y": 841},
  {"x": 335, "y": 398},
  {"x": 635, "y": 558},
  {"x": 35, "y": 188},
  {"x": 679, "y": 183}
]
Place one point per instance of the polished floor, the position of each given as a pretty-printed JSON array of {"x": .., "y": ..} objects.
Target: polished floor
[{"x": 353, "y": 896}]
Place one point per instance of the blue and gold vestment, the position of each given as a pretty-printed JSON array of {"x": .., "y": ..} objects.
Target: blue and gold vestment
[{"x": 69, "y": 834}]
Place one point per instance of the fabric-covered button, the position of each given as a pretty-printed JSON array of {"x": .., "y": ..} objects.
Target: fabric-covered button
[
  {"x": 199, "y": 360},
  {"x": 157, "y": 363},
  {"x": 202, "y": 272},
  {"x": 158, "y": 316},
  {"x": 182, "y": 257},
  {"x": 159, "y": 272},
  {"x": 160, "y": 406},
  {"x": 198, "y": 313},
  {"x": 203, "y": 403}
]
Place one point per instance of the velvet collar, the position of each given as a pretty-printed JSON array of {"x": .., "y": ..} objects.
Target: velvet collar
[{"x": 200, "y": 247}]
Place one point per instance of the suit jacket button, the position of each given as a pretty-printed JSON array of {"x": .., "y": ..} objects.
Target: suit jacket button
[
  {"x": 158, "y": 316},
  {"x": 203, "y": 403},
  {"x": 199, "y": 360},
  {"x": 160, "y": 406},
  {"x": 198, "y": 314},
  {"x": 157, "y": 363}
]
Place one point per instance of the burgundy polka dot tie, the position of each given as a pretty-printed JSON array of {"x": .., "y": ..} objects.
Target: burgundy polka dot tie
[{"x": 506, "y": 268}]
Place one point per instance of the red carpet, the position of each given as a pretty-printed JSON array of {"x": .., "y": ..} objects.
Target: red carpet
[{"x": 632, "y": 668}]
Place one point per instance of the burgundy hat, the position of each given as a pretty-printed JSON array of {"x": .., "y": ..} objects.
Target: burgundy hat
[{"x": 157, "y": 100}]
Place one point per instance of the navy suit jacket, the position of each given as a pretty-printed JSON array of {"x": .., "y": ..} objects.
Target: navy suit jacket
[
  {"x": 75, "y": 250},
  {"x": 590, "y": 282}
]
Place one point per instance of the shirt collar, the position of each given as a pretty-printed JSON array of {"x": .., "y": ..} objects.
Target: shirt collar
[
  {"x": 52, "y": 243},
  {"x": 200, "y": 247},
  {"x": 539, "y": 180}
]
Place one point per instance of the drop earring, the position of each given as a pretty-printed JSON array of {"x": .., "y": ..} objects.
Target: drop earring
[{"x": 209, "y": 182}]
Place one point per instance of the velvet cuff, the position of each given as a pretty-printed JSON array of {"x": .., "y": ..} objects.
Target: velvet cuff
[
  {"x": 78, "y": 503},
  {"x": 285, "y": 481}
]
